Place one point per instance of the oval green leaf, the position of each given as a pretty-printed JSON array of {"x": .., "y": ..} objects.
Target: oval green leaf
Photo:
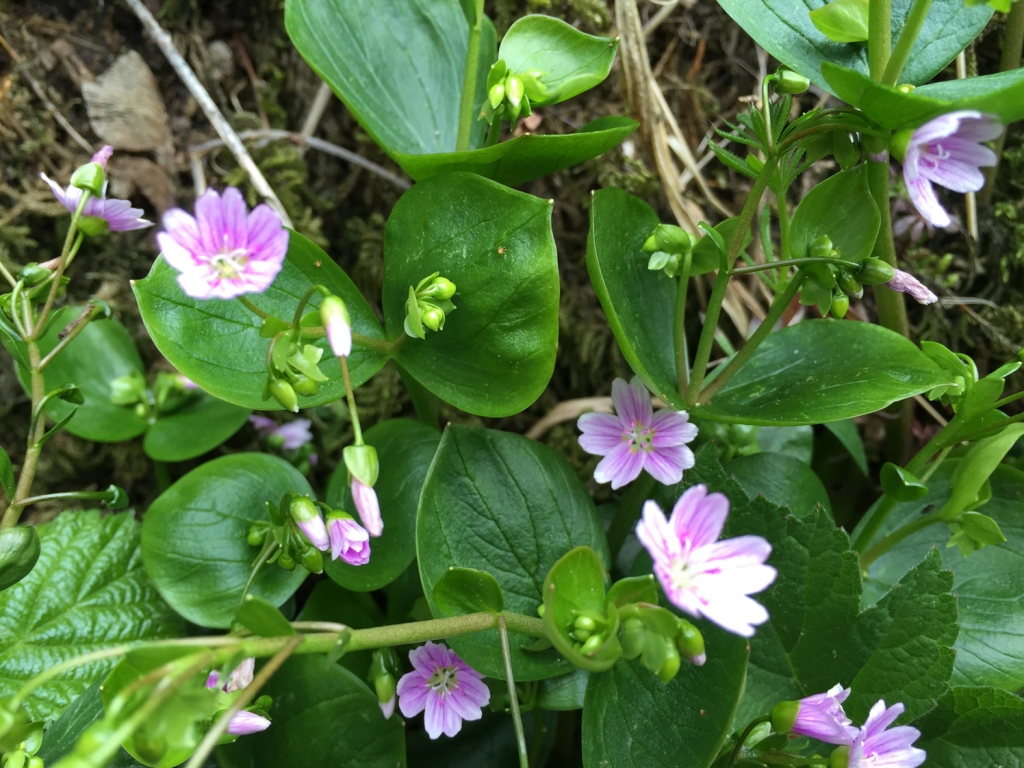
[
  {"x": 466, "y": 590},
  {"x": 199, "y": 426},
  {"x": 497, "y": 350},
  {"x": 217, "y": 344},
  {"x": 501, "y": 503},
  {"x": 823, "y": 370},
  {"x": 840, "y": 207},
  {"x": 405, "y": 449},
  {"x": 263, "y": 618},
  {"x": 194, "y": 536},
  {"x": 782, "y": 479}
]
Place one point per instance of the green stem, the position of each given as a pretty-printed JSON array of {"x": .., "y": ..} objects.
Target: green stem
[
  {"x": 1007, "y": 400},
  {"x": 437, "y": 629},
  {"x": 7, "y": 274},
  {"x": 784, "y": 239},
  {"x": 744, "y": 736},
  {"x": 253, "y": 308},
  {"x": 1013, "y": 41},
  {"x": 682, "y": 353},
  {"x": 493, "y": 133},
  {"x": 368, "y": 342},
  {"x": 35, "y": 441},
  {"x": 65, "y": 495},
  {"x": 513, "y": 695},
  {"x": 350, "y": 395},
  {"x": 707, "y": 333},
  {"x": 628, "y": 512},
  {"x": 301, "y": 306},
  {"x": 896, "y": 537},
  {"x": 62, "y": 263},
  {"x": 76, "y": 326},
  {"x": 766, "y": 111},
  {"x": 879, "y": 36},
  {"x": 467, "y": 103},
  {"x": 775, "y": 313},
  {"x": 908, "y": 36},
  {"x": 792, "y": 263},
  {"x": 59, "y": 669},
  {"x": 935, "y": 464}
]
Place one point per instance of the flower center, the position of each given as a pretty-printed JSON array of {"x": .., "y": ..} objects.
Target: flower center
[
  {"x": 229, "y": 264},
  {"x": 934, "y": 154},
  {"x": 640, "y": 438},
  {"x": 444, "y": 679}
]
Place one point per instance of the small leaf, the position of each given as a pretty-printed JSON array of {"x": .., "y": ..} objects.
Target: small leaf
[
  {"x": 982, "y": 528},
  {"x": 842, "y": 21},
  {"x": 846, "y": 433},
  {"x": 975, "y": 467},
  {"x": 466, "y": 590},
  {"x": 116, "y": 498},
  {"x": 634, "y": 589},
  {"x": 564, "y": 692},
  {"x": 783, "y": 480},
  {"x": 840, "y": 207},
  {"x": 263, "y": 618},
  {"x": 197, "y": 427},
  {"x": 901, "y": 485}
]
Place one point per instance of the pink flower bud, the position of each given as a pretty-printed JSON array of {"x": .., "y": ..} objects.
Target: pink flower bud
[
  {"x": 367, "y": 506},
  {"x": 244, "y": 723}
]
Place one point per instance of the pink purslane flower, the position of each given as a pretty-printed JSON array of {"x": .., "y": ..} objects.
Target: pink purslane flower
[
  {"x": 119, "y": 214},
  {"x": 315, "y": 530},
  {"x": 367, "y": 506},
  {"x": 243, "y": 723},
  {"x": 291, "y": 436},
  {"x": 876, "y": 747},
  {"x": 222, "y": 252},
  {"x": 445, "y": 686},
  {"x": 948, "y": 151},
  {"x": 701, "y": 575},
  {"x": 821, "y": 717},
  {"x": 387, "y": 708},
  {"x": 637, "y": 438},
  {"x": 349, "y": 540},
  {"x": 904, "y": 282}
]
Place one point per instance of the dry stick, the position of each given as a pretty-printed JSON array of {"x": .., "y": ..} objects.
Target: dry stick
[
  {"x": 52, "y": 109},
  {"x": 659, "y": 17},
  {"x": 971, "y": 198},
  {"x": 316, "y": 110},
  {"x": 300, "y": 139},
  {"x": 220, "y": 124}
]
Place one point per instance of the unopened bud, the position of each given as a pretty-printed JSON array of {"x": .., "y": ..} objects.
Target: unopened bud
[
  {"x": 690, "y": 643},
  {"x": 433, "y": 318},
  {"x": 671, "y": 666},
  {"x": 874, "y": 272},
  {"x": 821, "y": 248},
  {"x": 592, "y": 644},
  {"x": 285, "y": 395},
  {"x": 361, "y": 462},
  {"x": 784, "y": 716},
  {"x": 33, "y": 274},
  {"x": 338, "y": 324},
  {"x": 496, "y": 95},
  {"x": 385, "y": 686},
  {"x": 840, "y": 757},
  {"x": 650, "y": 244},
  {"x": 514, "y": 91},
  {"x": 632, "y": 638},
  {"x": 788, "y": 81},
  {"x": 840, "y": 304},
  {"x": 305, "y": 386},
  {"x": 286, "y": 561},
  {"x": 257, "y": 535},
  {"x": 91, "y": 178},
  {"x": 849, "y": 285},
  {"x": 673, "y": 239},
  {"x": 585, "y": 623},
  {"x": 440, "y": 288},
  {"x": 312, "y": 561},
  {"x": 93, "y": 226},
  {"x": 19, "y": 551}
]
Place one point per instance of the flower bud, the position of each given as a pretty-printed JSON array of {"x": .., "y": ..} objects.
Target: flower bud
[
  {"x": 840, "y": 304},
  {"x": 899, "y": 143},
  {"x": 874, "y": 272},
  {"x": 673, "y": 239},
  {"x": 33, "y": 274},
  {"x": 368, "y": 506},
  {"x": 650, "y": 244},
  {"x": 286, "y": 561},
  {"x": 690, "y": 643},
  {"x": 19, "y": 551},
  {"x": 591, "y": 644},
  {"x": 534, "y": 89},
  {"x": 312, "y": 561},
  {"x": 850, "y": 286},
  {"x": 257, "y": 535},
  {"x": 821, "y": 248},
  {"x": 285, "y": 395},
  {"x": 840, "y": 757},
  {"x": 671, "y": 666},
  {"x": 433, "y": 318},
  {"x": 335, "y": 317},
  {"x": 440, "y": 288},
  {"x": 514, "y": 91},
  {"x": 496, "y": 95},
  {"x": 305, "y": 386},
  {"x": 385, "y": 686},
  {"x": 784, "y": 716},
  {"x": 585, "y": 623},
  {"x": 93, "y": 226},
  {"x": 91, "y": 178},
  {"x": 632, "y": 638},
  {"x": 788, "y": 81},
  {"x": 361, "y": 462},
  {"x": 307, "y": 516}
]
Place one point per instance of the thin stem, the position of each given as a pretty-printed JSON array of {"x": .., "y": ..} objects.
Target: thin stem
[
  {"x": 467, "y": 103},
  {"x": 896, "y": 537},
  {"x": 385, "y": 347},
  {"x": 436, "y": 629},
  {"x": 766, "y": 111},
  {"x": 7, "y": 274},
  {"x": 682, "y": 353},
  {"x": 297, "y": 322},
  {"x": 780, "y": 200},
  {"x": 908, "y": 36},
  {"x": 775, "y": 313},
  {"x": 493, "y": 133},
  {"x": 513, "y": 696},
  {"x": 253, "y": 308},
  {"x": 34, "y": 447},
  {"x": 744, "y": 736},
  {"x": 1007, "y": 400},
  {"x": 879, "y": 36},
  {"x": 77, "y": 326},
  {"x": 991, "y": 429},
  {"x": 65, "y": 495},
  {"x": 935, "y": 464},
  {"x": 792, "y": 263},
  {"x": 357, "y": 430},
  {"x": 62, "y": 263},
  {"x": 707, "y": 333}
]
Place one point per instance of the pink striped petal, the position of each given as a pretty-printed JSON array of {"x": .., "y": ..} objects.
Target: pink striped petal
[
  {"x": 672, "y": 428},
  {"x": 632, "y": 402},
  {"x": 699, "y": 517},
  {"x": 602, "y": 433},
  {"x": 620, "y": 467}
]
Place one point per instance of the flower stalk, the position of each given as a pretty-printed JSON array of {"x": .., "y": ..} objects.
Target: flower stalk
[
  {"x": 466, "y": 116},
  {"x": 905, "y": 43}
]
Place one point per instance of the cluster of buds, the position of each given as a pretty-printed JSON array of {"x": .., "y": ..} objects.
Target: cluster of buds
[
  {"x": 668, "y": 245},
  {"x": 660, "y": 639},
  {"x": 831, "y": 286},
  {"x": 383, "y": 678},
  {"x": 293, "y": 370},
  {"x": 296, "y": 532},
  {"x": 428, "y": 304},
  {"x": 170, "y": 391},
  {"x": 731, "y": 440},
  {"x": 510, "y": 95},
  {"x": 20, "y": 738}
]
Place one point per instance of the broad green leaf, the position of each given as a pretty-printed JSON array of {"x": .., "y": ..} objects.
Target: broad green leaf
[
  {"x": 633, "y": 720},
  {"x": 847, "y": 434},
  {"x": 975, "y": 467},
  {"x": 1001, "y": 94},
  {"x": 216, "y": 342},
  {"x": 564, "y": 692},
  {"x": 501, "y": 503},
  {"x": 841, "y": 208},
  {"x": 784, "y": 29},
  {"x": 823, "y": 370},
  {"x": 262, "y": 618},
  {"x": 324, "y": 716},
  {"x": 6, "y": 475},
  {"x": 842, "y": 21},
  {"x": 974, "y": 728},
  {"x": 797, "y": 442},
  {"x": 88, "y": 591},
  {"x": 196, "y": 428},
  {"x": 398, "y": 65},
  {"x": 466, "y": 590},
  {"x": 524, "y": 158},
  {"x": 486, "y": 743},
  {"x": 988, "y": 583},
  {"x": 571, "y": 61},
  {"x": 639, "y": 303},
  {"x": 405, "y": 449},
  {"x": 194, "y": 536},
  {"x": 60, "y": 738},
  {"x": 783, "y": 480},
  {"x": 329, "y": 602},
  {"x": 19, "y": 552},
  {"x": 497, "y": 350}
]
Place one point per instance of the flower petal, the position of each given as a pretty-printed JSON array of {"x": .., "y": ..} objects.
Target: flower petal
[
  {"x": 435, "y": 715},
  {"x": 267, "y": 238},
  {"x": 922, "y": 195},
  {"x": 620, "y": 467},
  {"x": 602, "y": 433},
  {"x": 734, "y": 613},
  {"x": 666, "y": 465},
  {"x": 672, "y": 428},
  {"x": 655, "y": 533},
  {"x": 699, "y": 517},
  {"x": 233, "y": 218},
  {"x": 210, "y": 222},
  {"x": 632, "y": 402},
  {"x": 412, "y": 693}
]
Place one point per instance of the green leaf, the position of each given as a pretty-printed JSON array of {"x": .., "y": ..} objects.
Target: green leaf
[
  {"x": 786, "y": 31},
  {"x": 216, "y": 342},
  {"x": 501, "y": 503},
  {"x": 988, "y": 584},
  {"x": 6, "y": 475},
  {"x": 325, "y": 714},
  {"x": 60, "y": 738},
  {"x": 634, "y": 589},
  {"x": 194, "y": 536},
  {"x": 571, "y": 62},
  {"x": 522, "y": 159},
  {"x": 565, "y": 692},
  {"x": 974, "y": 728},
  {"x": 901, "y": 485},
  {"x": 88, "y": 591},
  {"x": 199, "y": 426},
  {"x": 466, "y": 590},
  {"x": 405, "y": 449},
  {"x": 497, "y": 351},
  {"x": 639, "y": 303},
  {"x": 329, "y": 602},
  {"x": 842, "y": 21},
  {"x": 263, "y": 618},
  {"x": 975, "y": 467},
  {"x": 19, "y": 552},
  {"x": 486, "y": 743},
  {"x": 783, "y": 480},
  {"x": 823, "y": 370},
  {"x": 797, "y": 442},
  {"x": 633, "y": 720},
  {"x": 847, "y": 434},
  {"x": 840, "y": 207},
  {"x": 1001, "y": 94}
]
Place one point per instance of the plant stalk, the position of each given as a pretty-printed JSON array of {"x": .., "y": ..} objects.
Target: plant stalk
[
  {"x": 682, "y": 353},
  {"x": 513, "y": 695},
  {"x": 350, "y": 395},
  {"x": 879, "y": 36},
  {"x": 753, "y": 268},
  {"x": 896, "y": 537},
  {"x": 469, "y": 80},
  {"x": 905, "y": 43}
]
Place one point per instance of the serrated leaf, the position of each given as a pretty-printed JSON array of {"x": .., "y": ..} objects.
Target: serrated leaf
[
  {"x": 974, "y": 728},
  {"x": 88, "y": 591}
]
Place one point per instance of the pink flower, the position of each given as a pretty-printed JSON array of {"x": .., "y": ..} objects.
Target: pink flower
[
  {"x": 367, "y": 506},
  {"x": 904, "y": 282},
  {"x": 637, "y": 438},
  {"x": 701, "y": 575},
  {"x": 874, "y": 746},
  {"x": 222, "y": 252},
  {"x": 948, "y": 152},
  {"x": 102, "y": 157},
  {"x": 243, "y": 723},
  {"x": 316, "y": 532},
  {"x": 336, "y": 320},
  {"x": 445, "y": 686},
  {"x": 239, "y": 678},
  {"x": 119, "y": 214},
  {"x": 349, "y": 540},
  {"x": 387, "y": 708},
  {"x": 292, "y": 435},
  {"x": 821, "y": 717}
]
